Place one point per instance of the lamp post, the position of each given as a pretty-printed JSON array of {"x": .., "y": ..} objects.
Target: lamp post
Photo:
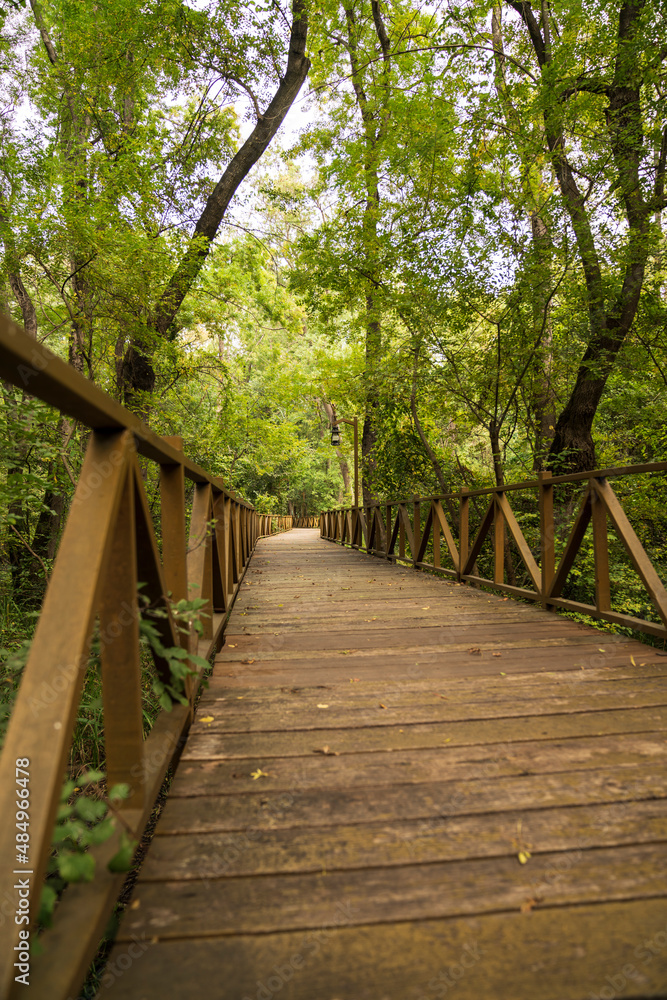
[{"x": 335, "y": 440}]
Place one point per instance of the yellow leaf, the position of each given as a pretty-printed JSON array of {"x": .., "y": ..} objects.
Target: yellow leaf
[
  {"x": 632, "y": 661},
  {"x": 502, "y": 674},
  {"x": 258, "y": 774},
  {"x": 322, "y": 706},
  {"x": 206, "y": 718},
  {"x": 523, "y": 857},
  {"x": 426, "y": 608}
]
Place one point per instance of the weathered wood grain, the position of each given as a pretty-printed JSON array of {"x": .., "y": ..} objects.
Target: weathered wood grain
[
  {"x": 447, "y": 838},
  {"x": 430, "y": 800},
  {"x": 375, "y": 750},
  {"x": 563, "y": 954}
]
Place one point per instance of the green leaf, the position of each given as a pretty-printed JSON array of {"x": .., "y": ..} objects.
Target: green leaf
[
  {"x": 122, "y": 860},
  {"x": 101, "y": 832},
  {"x": 76, "y": 867},
  {"x": 119, "y": 792},
  {"x": 165, "y": 701},
  {"x": 90, "y": 809},
  {"x": 47, "y": 903},
  {"x": 89, "y": 778}
]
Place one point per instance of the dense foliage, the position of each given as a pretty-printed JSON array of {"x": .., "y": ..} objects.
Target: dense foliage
[{"x": 458, "y": 238}]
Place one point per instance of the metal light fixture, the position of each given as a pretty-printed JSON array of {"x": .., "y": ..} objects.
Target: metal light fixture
[{"x": 335, "y": 435}]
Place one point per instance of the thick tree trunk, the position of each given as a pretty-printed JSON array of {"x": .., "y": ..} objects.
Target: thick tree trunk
[
  {"x": 138, "y": 376},
  {"x": 573, "y": 448}
]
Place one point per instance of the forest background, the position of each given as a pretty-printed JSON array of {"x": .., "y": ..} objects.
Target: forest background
[{"x": 241, "y": 219}]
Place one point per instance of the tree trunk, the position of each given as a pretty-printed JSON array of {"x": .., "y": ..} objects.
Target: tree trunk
[
  {"x": 137, "y": 373},
  {"x": 573, "y": 448}
]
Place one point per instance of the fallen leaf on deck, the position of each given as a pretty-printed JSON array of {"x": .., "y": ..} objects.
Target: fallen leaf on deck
[
  {"x": 523, "y": 857},
  {"x": 135, "y": 904},
  {"x": 232, "y": 645},
  {"x": 206, "y": 718},
  {"x": 322, "y": 706},
  {"x": 327, "y": 751},
  {"x": 632, "y": 661},
  {"x": 448, "y": 740},
  {"x": 475, "y": 649},
  {"x": 496, "y": 654},
  {"x": 258, "y": 774},
  {"x": 247, "y": 661},
  {"x": 353, "y": 680},
  {"x": 528, "y": 904},
  {"x": 426, "y": 608},
  {"x": 382, "y": 706},
  {"x": 502, "y": 674}
]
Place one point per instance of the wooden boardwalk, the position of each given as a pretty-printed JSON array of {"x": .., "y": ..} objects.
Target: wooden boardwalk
[{"x": 399, "y": 788}]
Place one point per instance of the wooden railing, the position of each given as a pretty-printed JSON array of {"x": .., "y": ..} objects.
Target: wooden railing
[
  {"x": 108, "y": 546},
  {"x": 306, "y": 522},
  {"x": 413, "y": 532},
  {"x": 274, "y": 524}
]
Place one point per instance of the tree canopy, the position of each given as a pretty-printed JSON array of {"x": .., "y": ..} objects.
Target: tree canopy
[{"x": 242, "y": 219}]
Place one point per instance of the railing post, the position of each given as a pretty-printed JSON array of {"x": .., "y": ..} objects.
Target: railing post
[
  {"x": 547, "y": 533},
  {"x": 498, "y": 540},
  {"x": 121, "y": 663},
  {"x": 600, "y": 550},
  {"x": 388, "y": 526},
  {"x": 436, "y": 541},
  {"x": 416, "y": 528},
  {"x": 172, "y": 511},
  {"x": 401, "y": 534},
  {"x": 464, "y": 528},
  {"x": 200, "y": 554}
]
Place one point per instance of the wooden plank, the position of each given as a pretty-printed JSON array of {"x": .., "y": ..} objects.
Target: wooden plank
[
  {"x": 434, "y": 800},
  {"x": 405, "y": 767},
  {"x": 411, "y": 842},
  {"x": 572, "y": 876},
  {"x": 420, "y": 706},
  {"x": 459, "y": 636},
  {"x": 567, "y": 953},
  {"x": 430, "y": 664},
  {"x": 381, "y": 730}
]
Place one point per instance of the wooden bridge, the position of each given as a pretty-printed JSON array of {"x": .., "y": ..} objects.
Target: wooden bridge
[{"x": 396, "y": 786}]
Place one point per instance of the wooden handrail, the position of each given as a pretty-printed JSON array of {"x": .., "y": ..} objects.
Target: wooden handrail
[
  {"x": 108, "y": 546},
  {"x": 379, "y": 528}
]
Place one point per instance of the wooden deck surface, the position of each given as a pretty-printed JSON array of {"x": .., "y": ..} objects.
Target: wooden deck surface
[{"x": 377, "y": 754}]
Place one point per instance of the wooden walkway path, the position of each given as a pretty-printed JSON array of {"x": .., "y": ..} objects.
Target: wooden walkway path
[{"x": 399, "y": 788}]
